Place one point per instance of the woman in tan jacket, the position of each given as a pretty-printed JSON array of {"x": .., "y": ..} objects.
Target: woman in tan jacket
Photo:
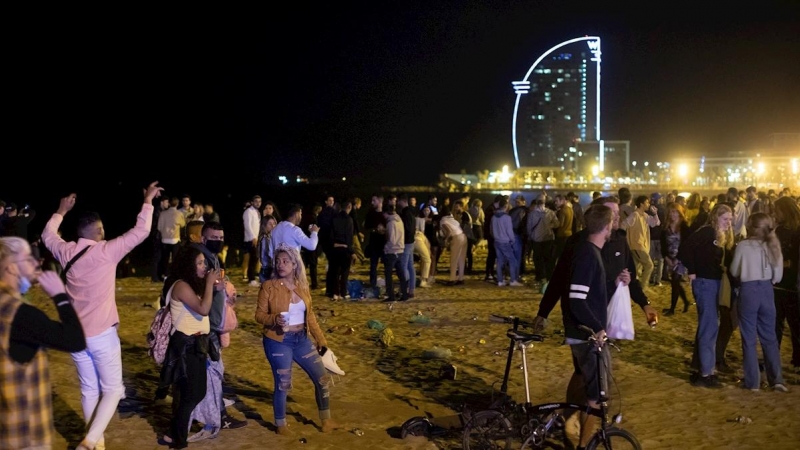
[{"x": 284, "y": 309}]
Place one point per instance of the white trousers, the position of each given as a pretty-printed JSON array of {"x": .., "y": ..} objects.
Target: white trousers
[
  {"x": 458, "y": 255},
  {"x": 100, "y": 374}
]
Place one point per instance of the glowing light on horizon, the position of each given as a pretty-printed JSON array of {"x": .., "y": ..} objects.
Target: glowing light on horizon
[
  {"x": 504, "y": 175},
  {"x": 683, "y": 170}
]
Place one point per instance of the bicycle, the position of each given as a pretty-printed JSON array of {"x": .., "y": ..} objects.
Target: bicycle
[
  {"x": 609, "y": 436},
  {"x": 506, "y": 421},
  {"x": 534, "y": 425}
]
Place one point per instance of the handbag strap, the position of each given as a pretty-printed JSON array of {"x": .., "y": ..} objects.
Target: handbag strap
[{"x": 72, "y": 261}]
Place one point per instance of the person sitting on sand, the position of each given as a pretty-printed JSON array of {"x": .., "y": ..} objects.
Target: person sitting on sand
[{"x": 284, "y": 309}]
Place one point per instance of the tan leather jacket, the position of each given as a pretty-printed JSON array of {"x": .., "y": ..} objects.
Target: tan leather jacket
[{"x": 274, "y": 298}]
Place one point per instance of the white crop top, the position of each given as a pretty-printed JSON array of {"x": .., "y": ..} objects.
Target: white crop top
[
  {"x": 297, "y": 312},
  {"x": 184, "y": 319}
]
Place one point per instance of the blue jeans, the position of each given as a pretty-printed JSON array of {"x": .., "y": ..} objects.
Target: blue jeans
[
  {"x": 394, "y": 261},
  {"x": 297, "y": 347},
  {"x": 706, "y": 294},
  {"x": 757, "y": 317},
  {"x": 407, "y": 262},
  {"x": 505, "y": 255}
]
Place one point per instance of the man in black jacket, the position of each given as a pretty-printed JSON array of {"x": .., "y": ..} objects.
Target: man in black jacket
[{"x": 619, "y": 268}]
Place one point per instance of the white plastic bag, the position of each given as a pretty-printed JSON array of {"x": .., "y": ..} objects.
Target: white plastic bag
[{"x": 620, "y": 317}]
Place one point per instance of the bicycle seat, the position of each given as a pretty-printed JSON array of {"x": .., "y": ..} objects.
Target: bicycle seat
[{"x": 524, "y": 337}]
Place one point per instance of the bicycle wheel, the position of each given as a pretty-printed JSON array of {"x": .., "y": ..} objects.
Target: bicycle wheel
[
  {"x": 487, "y": 430},
  {"x": 614, "y": 439}
]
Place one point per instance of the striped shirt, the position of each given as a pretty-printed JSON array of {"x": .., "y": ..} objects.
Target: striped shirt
[{"x": 588, "y": 298}]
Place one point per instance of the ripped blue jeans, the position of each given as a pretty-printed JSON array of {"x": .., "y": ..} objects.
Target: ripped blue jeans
[{"x": 297, "y": 347}]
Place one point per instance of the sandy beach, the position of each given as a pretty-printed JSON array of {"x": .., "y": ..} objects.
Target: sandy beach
[{"x": 385, "y": 386}]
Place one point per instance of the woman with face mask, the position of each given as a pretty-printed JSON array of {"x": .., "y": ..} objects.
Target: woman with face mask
[{"x": 26, "y": 410}]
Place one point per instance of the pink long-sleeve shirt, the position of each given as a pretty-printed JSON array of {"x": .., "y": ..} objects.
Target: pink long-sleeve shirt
[{"x": 91, "y": 282}]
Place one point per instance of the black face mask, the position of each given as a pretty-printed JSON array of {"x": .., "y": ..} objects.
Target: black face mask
[{"x": 214, "y": 246}]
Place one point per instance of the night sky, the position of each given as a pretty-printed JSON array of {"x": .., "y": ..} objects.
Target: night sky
[{"x": 378, "y": 92}]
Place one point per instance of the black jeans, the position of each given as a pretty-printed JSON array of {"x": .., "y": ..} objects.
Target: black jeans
[
  {"x": 188, "y": 392},
  {"x": 491, "y": 258},
  {"x": 787, "y": 307},
  {"x": 543, "y": 259},
  {"x": 310, "y": 260},
  {"x": 338, "y": 271}
]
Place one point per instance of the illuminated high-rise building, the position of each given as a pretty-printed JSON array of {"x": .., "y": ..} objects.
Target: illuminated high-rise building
[{"x": 558, "y": 105}]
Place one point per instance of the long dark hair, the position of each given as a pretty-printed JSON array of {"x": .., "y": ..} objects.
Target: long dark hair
[{"x": 183, "y": 268}]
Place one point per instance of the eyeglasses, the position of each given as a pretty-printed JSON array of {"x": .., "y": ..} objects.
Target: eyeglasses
[{"x": 28, "y": 258}]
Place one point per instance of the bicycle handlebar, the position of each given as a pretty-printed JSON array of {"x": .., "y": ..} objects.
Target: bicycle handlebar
[
  {"x": 496, "y": 318},
  {"x": 594, "y": 339}
]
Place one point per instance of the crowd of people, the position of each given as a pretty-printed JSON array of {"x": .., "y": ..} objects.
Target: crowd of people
[{"x": 738, "y": 253}]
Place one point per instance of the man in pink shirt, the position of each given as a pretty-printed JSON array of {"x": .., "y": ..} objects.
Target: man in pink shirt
[{"x": 91, "y": 280}]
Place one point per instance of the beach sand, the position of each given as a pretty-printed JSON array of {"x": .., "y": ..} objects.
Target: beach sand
[{"x": 385, "y": 386}]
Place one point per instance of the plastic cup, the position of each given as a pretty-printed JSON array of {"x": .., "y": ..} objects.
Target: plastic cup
[{"x": 285, "y": 316}]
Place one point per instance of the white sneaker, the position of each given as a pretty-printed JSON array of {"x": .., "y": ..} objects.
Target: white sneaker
[
  {"x": 780, "y": 388},
  {"x": 329, "y": 361},
  {"x": 254, "y": 283},
  {"x": 228, "y": 402},
  {"x": 516, "y": 284},
  {"x": 501, "y": 283}
]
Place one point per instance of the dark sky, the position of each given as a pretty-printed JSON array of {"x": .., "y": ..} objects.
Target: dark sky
[{"x": 379, "y": 92}]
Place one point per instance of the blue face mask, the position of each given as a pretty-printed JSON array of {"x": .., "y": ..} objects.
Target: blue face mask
[{"x": 24, "y": 285}]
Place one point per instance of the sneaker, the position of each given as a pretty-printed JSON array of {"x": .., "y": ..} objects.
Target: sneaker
[
  {"x": 329, "y": 361},
  {"x": 424, "y": 284},
  {"x": 725, "y": 368},
  {"x": 780, "y": 388},
  {"x": 254, "y": 283},
  {"x": 709, "y": 381},
  {"x": 516, "y": 284},
  {"x": 230, "y": 423},
  {"x": 459, "y": 282},
  {"x": 501, "y": 283},
  {"x": 205, "y": 433},
  {"x": 228, "y": 402}
]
